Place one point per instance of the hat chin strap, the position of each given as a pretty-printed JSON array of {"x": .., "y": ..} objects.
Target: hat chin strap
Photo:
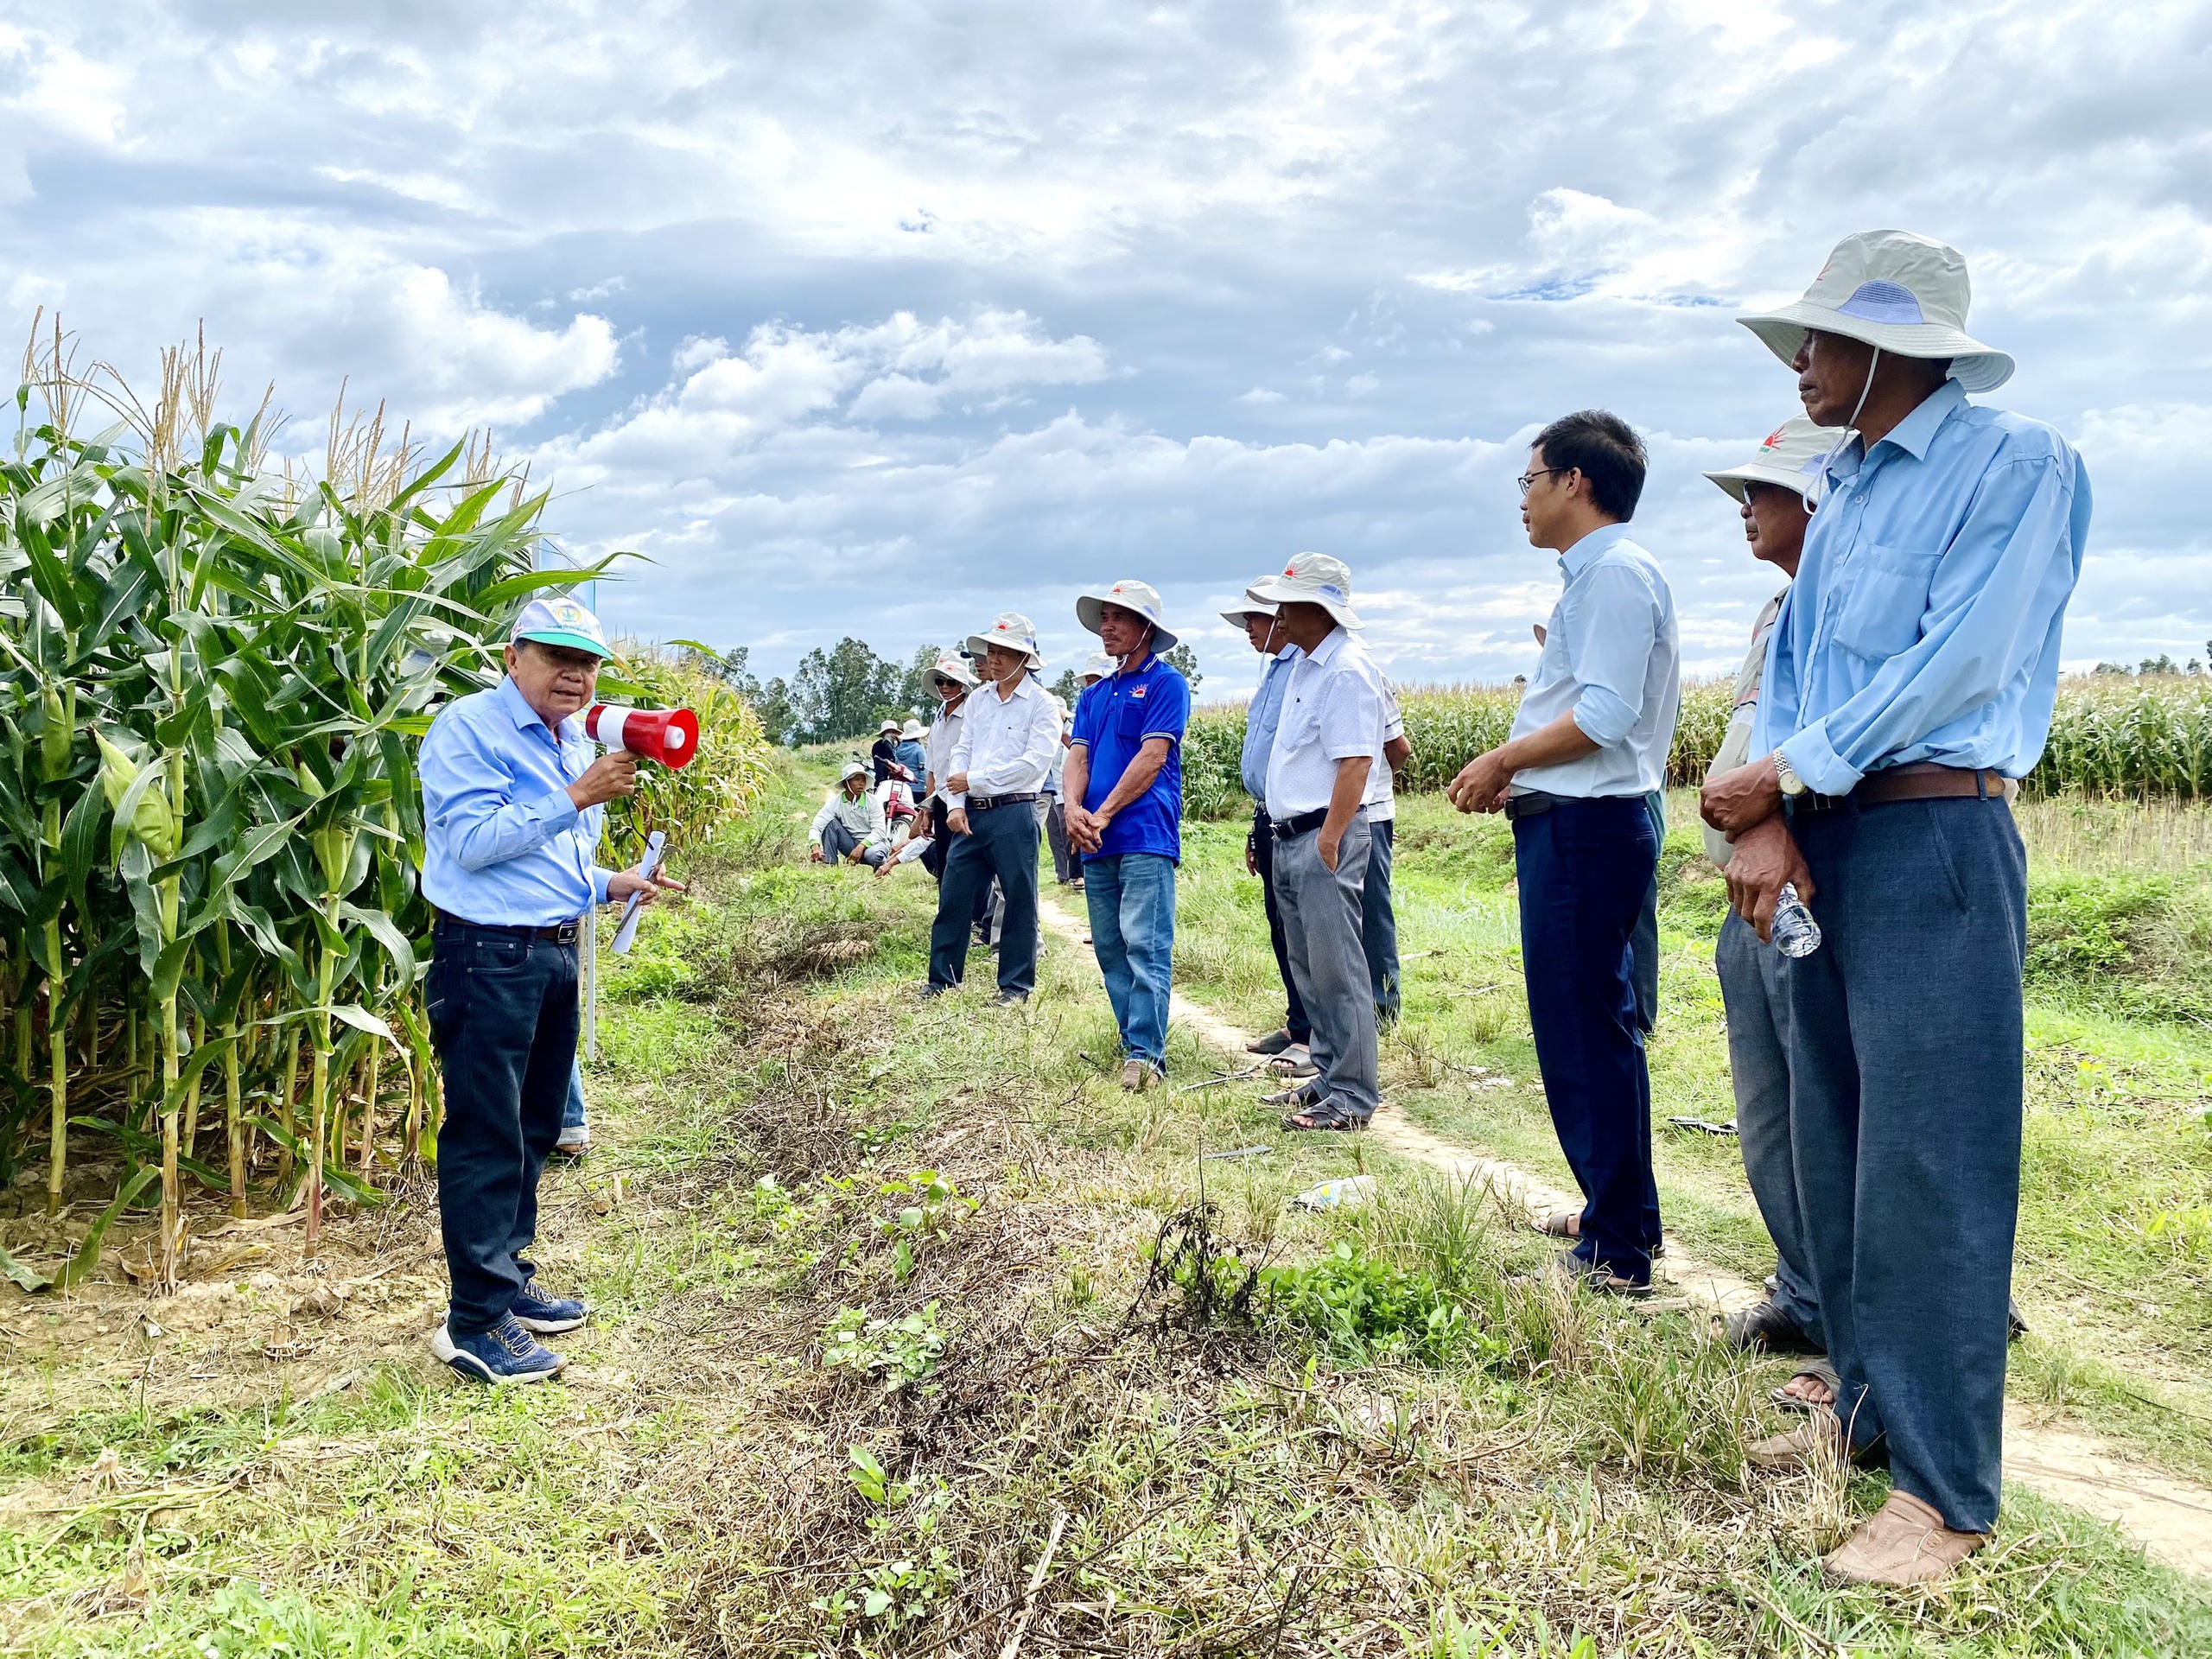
[{"x": 1849, "y": 426}]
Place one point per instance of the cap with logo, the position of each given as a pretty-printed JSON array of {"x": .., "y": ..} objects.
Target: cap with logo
[
  {"x": 1906, "y": 294},
  {"x": 1791, "y": 457},
  {"x": 1310, "y": 579},
  {"x": 1136, "y": 596},
  {"x": 564, "y": 622}
]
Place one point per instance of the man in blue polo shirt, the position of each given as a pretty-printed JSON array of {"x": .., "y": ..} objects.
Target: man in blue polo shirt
[{"x": 1124, "y": 795}]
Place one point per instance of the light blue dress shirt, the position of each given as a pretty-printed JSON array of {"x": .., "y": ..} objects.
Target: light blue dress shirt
[
  {"x": 1612, "y": 658},
  {"x": 1260, "y": 721},
  {"x": 503, "y": 844},
  {"x": 1923, "y": 624}
]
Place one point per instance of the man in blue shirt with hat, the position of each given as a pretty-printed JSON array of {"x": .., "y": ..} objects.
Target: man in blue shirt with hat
[
  {"x": 513, "y": 803},
  {"x": 1124, "y": 795},
  {"x": 1910, "y": 674}
]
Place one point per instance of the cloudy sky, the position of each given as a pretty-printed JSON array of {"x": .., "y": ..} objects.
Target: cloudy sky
[{"x": 877, "y": 318}]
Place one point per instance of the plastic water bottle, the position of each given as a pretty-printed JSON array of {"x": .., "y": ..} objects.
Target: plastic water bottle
[{"x": 1794, "y": 931}]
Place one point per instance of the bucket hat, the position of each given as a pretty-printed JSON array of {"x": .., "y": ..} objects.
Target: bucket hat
[
  {"x": 562, "y": 622},
  {"x": 1906, "y": 294},
  {"x": 888, "y": 726},
  {"x": 853, "y": 769},
  {"x": 1234, "y": 615},
  {"x": 1013, "y": 630},
  {"x": 1313, "y": 579},
  {"x": 912, "y": 728},
  {"x": 1138, "y": 596},
  {"x": 1099, "y": 667},
  {"x": 954, "y": 669},
  {"x": 1793, "y": 457}
]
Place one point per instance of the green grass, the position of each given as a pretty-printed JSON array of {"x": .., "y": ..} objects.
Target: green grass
[{"x": 1395, "y": 1450}]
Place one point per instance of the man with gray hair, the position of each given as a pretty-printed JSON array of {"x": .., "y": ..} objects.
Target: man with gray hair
[
  {"x": 1911, "y": 673},
  {"x": 1327, "y": 742}
]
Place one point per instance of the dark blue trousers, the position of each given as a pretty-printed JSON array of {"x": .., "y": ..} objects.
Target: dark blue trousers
[
  {"x": 1378, "y": 919},
  {"x": 1294, "y": 1019},
  {"x": 1905, "y": 1031},
  {"x": 1003, "y": 842},
  {"x": 504, "y": 1017},
  {"x": 1584, "y": 868}
]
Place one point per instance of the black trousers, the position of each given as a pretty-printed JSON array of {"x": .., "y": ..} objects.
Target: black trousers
[
  {"x": 504, "y": 1018},
  {"x": 1002, "y": 844},
  {"x": 1263, "y": 856}
]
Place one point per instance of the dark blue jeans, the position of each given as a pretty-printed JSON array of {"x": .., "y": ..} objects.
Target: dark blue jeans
[
  {"x": 1003, "y": 844},
  {"x": 1131, "y": 898},
  {"x": 1755, "y": 990},
  {"x": 1263, "y": 856},
  {"x": 1584, "y": 866},
  {"x": 1378, "y": 926},
  {"x": 503, "y": 1016},
  {"x": 1644, "y": 945},
  {"x": 1905, "y": 1031}
]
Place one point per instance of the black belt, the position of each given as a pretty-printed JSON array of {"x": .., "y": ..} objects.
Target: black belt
[
  {"x": 560, "y": 933},
  {"x": 1534, "y": 802},
  {"x": 985, "y": 802},
  {"x": 1304, "y": 824}
]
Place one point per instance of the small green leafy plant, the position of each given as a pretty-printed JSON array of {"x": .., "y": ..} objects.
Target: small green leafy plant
[
  {"x": 897, "y": 1352},
  {"x": 901, "y": 1591},
  {"x": 1356, "y": 1304}
]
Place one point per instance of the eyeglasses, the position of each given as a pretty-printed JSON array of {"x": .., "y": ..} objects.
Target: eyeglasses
[{"x": 1528, "y": 479}]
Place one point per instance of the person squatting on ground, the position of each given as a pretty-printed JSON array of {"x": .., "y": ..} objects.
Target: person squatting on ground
[
  {"x": 850, "y": 828},
  {"x": 1775, "y": 491},
  {"x": 1125, "y": 814},
  {"x": 1912, "y": 671},
  {"x": 1289, "y": 1046},
  {"x": 1009, "y": 739},
  {"x": 513, "y": 803},
  {"x": 1589, "y": 743},
  {"x": 1328, "y": 739}
]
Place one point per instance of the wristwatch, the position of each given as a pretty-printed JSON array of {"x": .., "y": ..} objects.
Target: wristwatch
[{"x": 1786, "y": 776}]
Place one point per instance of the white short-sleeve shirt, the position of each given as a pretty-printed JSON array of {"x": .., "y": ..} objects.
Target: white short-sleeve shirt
[{"x": 1333, "y": 710}]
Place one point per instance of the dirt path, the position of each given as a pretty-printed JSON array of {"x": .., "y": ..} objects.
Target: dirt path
[{"x": 2170, "y": 1517}]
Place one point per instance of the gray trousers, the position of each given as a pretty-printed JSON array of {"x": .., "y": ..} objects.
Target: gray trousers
[
  {"x": 1755, "y": 993},
  {"x": 1322, "y": 914}
]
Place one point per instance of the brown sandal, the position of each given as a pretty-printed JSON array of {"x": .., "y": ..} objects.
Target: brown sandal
[{"x": 1904, "y": 1543}]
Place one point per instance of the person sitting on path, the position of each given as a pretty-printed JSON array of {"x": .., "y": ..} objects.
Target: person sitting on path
[
  {"x": 1125, "y": 811},
  {"x": 851, "y": 828},
  {"x": 513, "y": 803},
  {"x": 1009, "y": 739},
  {"x": 1328, "y": 739},
  {"x": 1911, "y": 673},
  {"x": 1287, "y": 1047},
  {"x": 1589, "y": 743}
]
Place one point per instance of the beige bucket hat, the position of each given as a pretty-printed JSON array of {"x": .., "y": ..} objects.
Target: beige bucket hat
[
  {"x": 1099, "y": 667},
  {"x": 1906, "y": 294},
  {"x": 1794, "y": 457},
  {"x": 1234, "y": 615},
  {"x": 912, "y": 728},
  {"x": 853, "y": 769},
  {"x": 1138, "y": 596},
  {"x": 1014, "y": 631},
  {"x": 954, "y": 669},
  {"x": 1313, "y": 579}
]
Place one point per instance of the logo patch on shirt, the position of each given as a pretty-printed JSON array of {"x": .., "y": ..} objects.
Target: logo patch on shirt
[{"x": 1136, "y": 694}]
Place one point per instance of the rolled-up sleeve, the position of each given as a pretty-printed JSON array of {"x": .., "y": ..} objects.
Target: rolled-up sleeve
[
  {"x": 1611, "y": 622},
  {"x": 470, "y": 793}
]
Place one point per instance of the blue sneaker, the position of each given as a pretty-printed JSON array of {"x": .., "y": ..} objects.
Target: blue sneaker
[
  {"x": 505, "y": 1353},
  {"x": 548, "y": 1316}
]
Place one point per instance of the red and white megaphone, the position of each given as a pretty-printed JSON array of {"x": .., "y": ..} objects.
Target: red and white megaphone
[{"x": 668, "y": 736}]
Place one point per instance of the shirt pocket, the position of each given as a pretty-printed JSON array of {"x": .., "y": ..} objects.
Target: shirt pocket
[{"x": 1885, "y": 596}]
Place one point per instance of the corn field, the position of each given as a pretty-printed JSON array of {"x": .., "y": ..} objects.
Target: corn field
[
  {"x": 214, "y": 673},
  {"x": 2111, "y": 735}
]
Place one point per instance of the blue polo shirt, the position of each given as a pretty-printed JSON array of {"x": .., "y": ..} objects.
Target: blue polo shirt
[{"x": 1112, "y": 722}]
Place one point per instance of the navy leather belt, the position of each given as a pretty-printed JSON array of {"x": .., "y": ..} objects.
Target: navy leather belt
[{"x": 560, "y": 933}]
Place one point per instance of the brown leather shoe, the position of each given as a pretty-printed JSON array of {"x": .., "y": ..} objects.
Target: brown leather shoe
[
  {"x": 1904, "y": 1543},
  {"x": 1816, "y": 1442}
]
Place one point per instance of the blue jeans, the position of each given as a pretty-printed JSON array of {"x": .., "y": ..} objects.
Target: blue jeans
[
  {"x": 1906, "y": 1033},
  {"x": 1132, "y": 900},
  {"x": 1645, "y": 942},
  {"x": 572, "y": 1115},
  {"x": 1002, "y": 844},
  {"x": 503, "y": 1016},
  {"x": 1755, "y": 990},
  {"x": 1378, "y": 924},
  {"x": 1585, "y": 867}
]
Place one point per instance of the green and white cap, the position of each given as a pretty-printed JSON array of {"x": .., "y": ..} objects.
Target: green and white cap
[
  {"x": 1793, "y": 458},
  {"x": 562, "y": 622}
]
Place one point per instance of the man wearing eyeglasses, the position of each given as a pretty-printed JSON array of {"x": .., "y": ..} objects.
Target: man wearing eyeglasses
[{"x": 1589, "y": 744}]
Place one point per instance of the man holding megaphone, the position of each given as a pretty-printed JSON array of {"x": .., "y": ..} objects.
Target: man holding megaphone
[{"x": 513, "y": 800}]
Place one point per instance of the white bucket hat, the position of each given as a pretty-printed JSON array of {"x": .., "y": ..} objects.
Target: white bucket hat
[
  {"x": 1794, "y": 456},
  {"x": 1234, "y": 615},
  {"x": 912, "y": 728},
  {"x": 1903, "y": 293},
  {"x": 888, "y": 726},
  {"x": 1099, "y": 667},
  {"x": 853, "y": 769},
  {"x": 1136, "y": 596},
  {"x": 1013, "y": 630},
  {"x": 1313, "y": 579},
  {"x": 953, "y": 669}
]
